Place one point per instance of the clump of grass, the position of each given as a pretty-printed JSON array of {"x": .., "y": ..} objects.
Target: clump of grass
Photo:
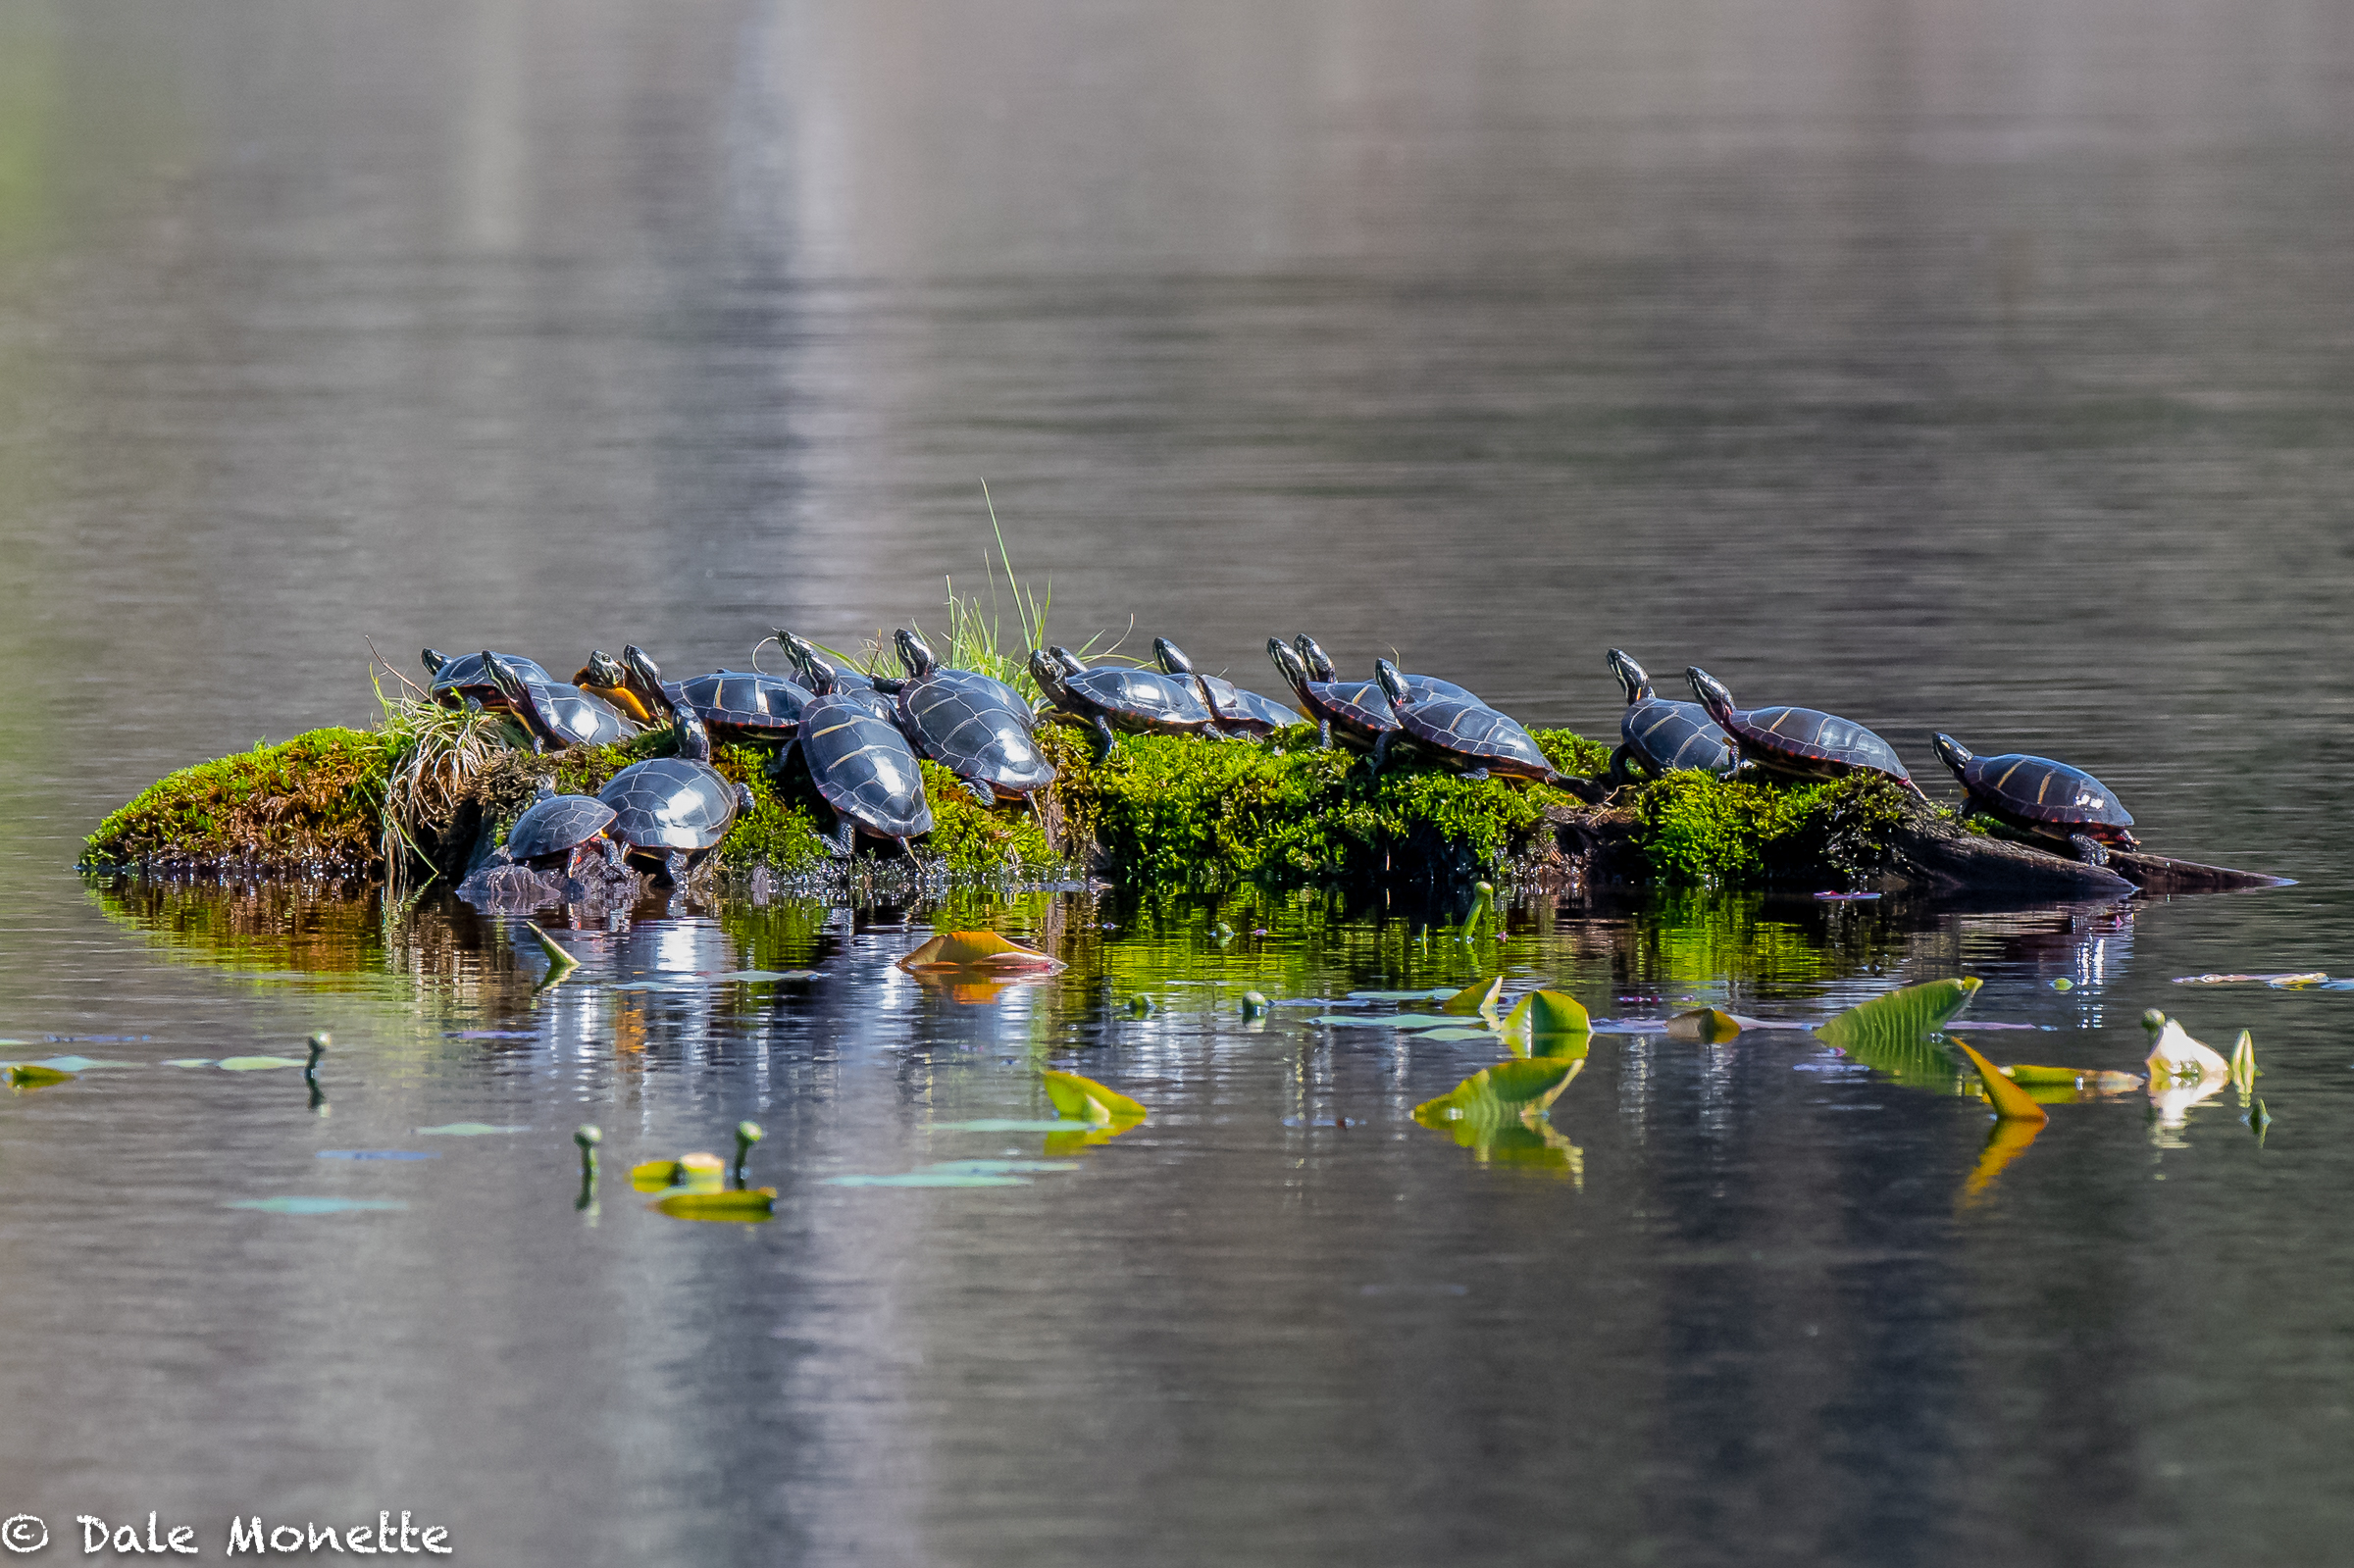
[
  {"x": 434, "y": 752},
  {"x": 312, "y": 802}
]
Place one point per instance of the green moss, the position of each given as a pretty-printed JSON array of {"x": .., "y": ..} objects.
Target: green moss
[
  {"x": 1698, "y": 828},
  {"x": 983, "y": 842},
  {"x": 312, "y": 802}
]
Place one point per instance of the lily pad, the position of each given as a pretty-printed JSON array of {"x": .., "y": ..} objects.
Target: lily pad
[
  {"x": 376, "y": 1155},
  {"x": 1477, "y": 997},
  {"x": 189, "y": 1061},
  {"x": 314, "y": 1205},
  {"x": 1707, "y": 1024},
  {"x": 31, "y": 1075},
  {"x": 1457, "y": 1033},
  {"x": 1400, "y": 996},
  {"x": 1089, "y": 1101},
  {"x": 2011, "y": 1103},
  {"x": 258, "y": 1064},
  {"x": 747, "y": 1207},
  {"x": 691, "y": 1172},
  {"x": 1504, "y": 1092},
  {"x": 976, "y": 950},
  {"x": 1392, "y": 1020},
  {"x": 468, "y": 1129},
  {"x": 1896, "y": 1034}
]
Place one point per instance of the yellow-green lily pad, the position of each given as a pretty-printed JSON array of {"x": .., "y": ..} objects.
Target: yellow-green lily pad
[
  {"x": 747, "y": 1207},
  {"x": 1089, "y": 1101},
  {"x": 259, "y": 1064},
  {"x": 1896, "y": 1033}
]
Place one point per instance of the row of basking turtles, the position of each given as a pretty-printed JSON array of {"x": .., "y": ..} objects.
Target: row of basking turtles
[{"x": 861, "y": 736}]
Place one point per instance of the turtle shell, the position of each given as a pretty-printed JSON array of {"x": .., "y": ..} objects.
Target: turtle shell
[
  {"x": 863, "y": 766},
  {"x": 1358, "y": 710},
  {"x": 669, "y": 803},
  {"x": 1474, "y": 734},
  {"x": 1429, "y": 687},
  {"x": 1140, "y": 701},
  {"x": 1247, "y": 711},
  {"x": 1806, "y": 743},
  {"x": 578, "y": 718},
  {"x": 466, "y": 676},
  {"x": 1668, "y": 735},
  {"x": 744, "y": 705},
  {"x": 975, "y": 727},
  {"x": 556, "y": 826},
  {"x": 2037, "y": 789}
]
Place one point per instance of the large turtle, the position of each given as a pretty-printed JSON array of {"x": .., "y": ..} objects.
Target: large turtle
[
  {"x": 1659, "y": 735},
  {"x": 977, "y": 728},
  {"x": 734, "y": 705},
  {"x": 1114, "y": 697},
  {"x": 1799, "y": 743},
  {"x": 876, "y": 692},
  {"x": 860, "y": 760},
  {"x": 2040, "y": 798},
  {"x": 453, "y": 681},
  {"x": 1355, "y": 712},
  {"x": 554, "y": 713},
  {"x": 671, "y": 811},
  {"x": 1469, "y": 736},
  {"x": 1421, "y": 688},
  {"x": 565, "y": 825},
  {"x": 1237, "y": 712}
]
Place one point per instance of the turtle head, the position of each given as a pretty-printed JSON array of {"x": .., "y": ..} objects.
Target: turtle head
[
  {"x": 915, "y": 654},
  {"x": 1171, "y": 657},
  {"x": 1711, "y": 693},
  {"x": 546, "y": 790},
  {"x": 1047, "y": 673},
  {"x": 1952, "y": 753},
  {"x": 515, "y": 693},
  {"x": 644, "y": 676},
  {"x": 1630, "y": 676},
  {"x": 1311, "y": 654},
  {"x": 816, "y": 666},
  {"x": 1393, "y": 684},
  {"x": 434, "y": 659},
  {"x": 1069, "y": 661},
  {"x": 800, "y": 650},
  {"x": 1293, "y": 669},
  {"x": 604, "y": 670}
]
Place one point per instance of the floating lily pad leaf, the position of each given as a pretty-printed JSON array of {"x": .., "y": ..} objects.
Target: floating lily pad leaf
[
  {"x": 1089, "y": 1101},
  {"x": 259, "y": 1064},
  {"x": 468, "y": 1129},
  {"x": 76, "y": 1064},
  {"x": 189, "y": 1061},
  {"x": 927, "y": 1179},
  {"x": 1390, "y": 1020},
  {"x": 2029, "y": 1076},
  {"x": 314, "y": 1205},
  {"x": 1707, "y": 1024},
  {"x": 1457, "y": 1033},
  {"x": 1896, "y": 1034},
  {"x": 31, "y": 1075},
  {"x": 1549, "y": 1012},
  {"x": 1477, "y": 997},
  {"x": 976, "y": 950},
  {"x": 1400, "y": 996},
  {"x": 1504, "y": 1092},
  {"x": 748, "y": 1207},
  {"x": 692, "y": 1172},
  {"x": 376, "y": 1155}
]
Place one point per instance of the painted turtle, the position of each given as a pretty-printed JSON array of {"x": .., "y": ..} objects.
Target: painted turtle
[
  {"x": 554, "y": 713},
  {"x": 1110, "y": 697},
  {"x": 1420, "y": 687},
  {"x": 734, "y": 705},
  {"x": 603, "y": 676},
  {"x": 1799, "y": 743},
  {"x": 1237, "y": 712},
  {"x": 859, "y": 761},
  {"x": 1467, "y": 736},
  {"x": 467, "y": 676},
  {"x": 671, "y": 811},
  {"x": 1358, "y": 712},
  {"x": 2041, "y": 799},
  {"x": 876, "y": 692},
  {"x": 977, "y": 728},
  {"x": 561, "y": 825},
  {"x": 1659, "y": 735}
]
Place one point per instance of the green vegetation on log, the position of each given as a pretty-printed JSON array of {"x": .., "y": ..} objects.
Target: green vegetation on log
[{"x": 1160, "y": 810}]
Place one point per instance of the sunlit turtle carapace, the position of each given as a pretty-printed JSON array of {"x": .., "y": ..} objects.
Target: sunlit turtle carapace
[
  {"x": 1798, "y": 742},
  {"x": 2039, "y": 798},
  {"x": 1657, "y": 735}
]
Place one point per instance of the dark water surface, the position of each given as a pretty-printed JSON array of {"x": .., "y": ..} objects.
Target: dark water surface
[{"x": 1978, "y": 366}]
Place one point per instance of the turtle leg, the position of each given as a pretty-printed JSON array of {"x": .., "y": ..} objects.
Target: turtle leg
[
  {"x": 2088, "y": 849},
  {"x": 667, "y": 869},
  {"x": 1381, "y": 749},
  {"x": 1622, "y": 766},
  {"x": 1478, "y": 772},
  {"x": 1106, "y": 741},
  {"x": 980, "y": 791},
  {"x": 1323, "y": 735}
]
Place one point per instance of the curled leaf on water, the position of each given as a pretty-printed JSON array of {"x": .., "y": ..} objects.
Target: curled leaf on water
[
  {"x": 1477, "y": 997},
  {"x": 2054, "y": 1084},
  {"x": 1090, "y": 1101},
  {"x": 560, "y": 963},
  {"x": 31, "y": 1075},
  {"x": 748, "y": 1206},
  {"x": 695, "y": 1172},
  {"x": 2175, "y": 1055},
  {"x": 1554, "y": 1025},
  {"x": 1504, "y": 1092},
  {"x": 976, "y": 950},
  {"x": 1707, "y": 1024},
  {"x": 1896, "y": 1034},
  {"x": 2011, "y": 1103},
  {"x": 2244, "y": 1072}
]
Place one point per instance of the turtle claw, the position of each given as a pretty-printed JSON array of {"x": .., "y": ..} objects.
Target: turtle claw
[
  {"x": 981, "y": 793},
  {"x": 2089, "y": 849}
]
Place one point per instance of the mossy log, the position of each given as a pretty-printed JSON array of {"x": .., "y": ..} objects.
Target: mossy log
[{"x": 1160, "y": 810}]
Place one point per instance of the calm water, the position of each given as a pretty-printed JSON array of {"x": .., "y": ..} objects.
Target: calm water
[{"x": 1981, "y": 366}]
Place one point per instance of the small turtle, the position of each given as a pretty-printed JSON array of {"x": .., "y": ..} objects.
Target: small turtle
[
  {"x": 977, "y": 728},
  {"x": 876, "y": 692},
  {"x": 1114, "y": 697},
  {"x": 734, "y": 705},
  {"x": 603, "y": 676},
  {"x": 554, "y": 713},
  {"x": 859, "y": 761},
  {"x": 1799, "y": 743},
  {"x": 1358, "y": 712},
  {"x": 562, "y": 825},
  {"x": 1659, "y": 735},
  {"x": 1237, "y": 712},
  {"x": 467, "y": 676},
  {"x": 673, "y": 811},
  {"x": 1469, "y": 736},
  {"x": 1421, "y": 688},
  {"x": 2040, "y": 798}
]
